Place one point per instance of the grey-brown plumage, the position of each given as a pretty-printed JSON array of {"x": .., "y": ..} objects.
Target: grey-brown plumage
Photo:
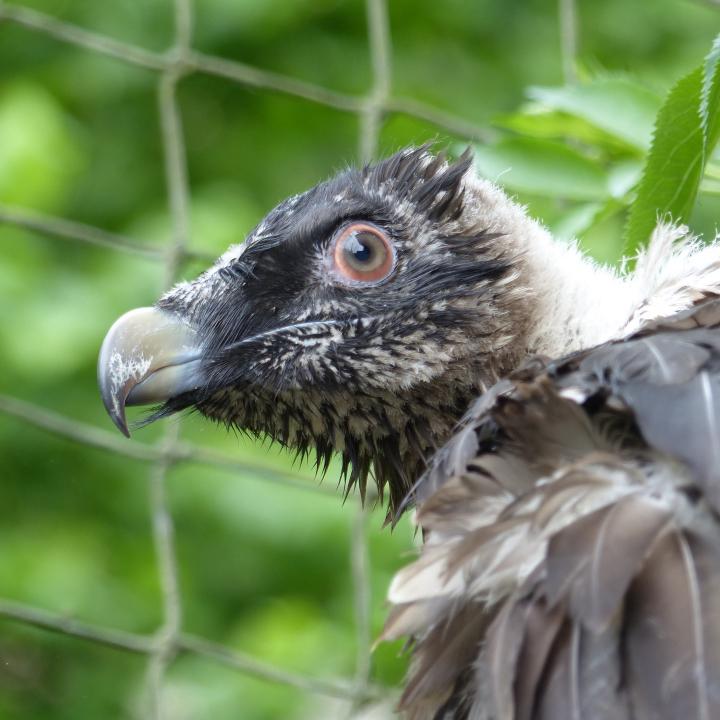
[
  {"x": 570, "y": 510},
  {"x": 594, "y": 480}
]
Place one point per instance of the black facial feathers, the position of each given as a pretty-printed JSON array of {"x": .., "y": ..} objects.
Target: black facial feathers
[{"x": 378, "y": 372}]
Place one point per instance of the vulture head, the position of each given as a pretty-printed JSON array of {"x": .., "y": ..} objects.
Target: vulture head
[
  {"x": 360, "y": 317},
  {"x": 571, "y": 567}
]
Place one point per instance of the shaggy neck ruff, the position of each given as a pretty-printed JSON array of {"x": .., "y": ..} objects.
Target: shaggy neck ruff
[{"x": 560, "y": 300}]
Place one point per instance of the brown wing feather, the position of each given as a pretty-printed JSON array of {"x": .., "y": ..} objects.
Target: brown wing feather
[
  {"x": 594, "y": 560},
  {"x": 541, "y": 629},
  {"x": 503, "y": 645},
  {"x": 448, "y": 649},
  {"x": 673, "y": 635}
]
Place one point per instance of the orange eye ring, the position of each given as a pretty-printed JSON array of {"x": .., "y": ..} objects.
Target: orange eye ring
[{"x": 362, "y": 252}]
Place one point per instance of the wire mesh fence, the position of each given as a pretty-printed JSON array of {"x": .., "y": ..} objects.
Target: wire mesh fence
[{"x": 172, "y": 66}]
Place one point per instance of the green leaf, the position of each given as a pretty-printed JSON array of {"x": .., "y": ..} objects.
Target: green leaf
[
  {"x": 623, "y": 176},
  {"x": 542, "y": 167},
  {"x": 534, "y": 120},
  {"x": 575, "y": 221},
  {"x": 618, "y": 106},
  {"x": 710, "y": 97},
  {"x": 686, "y": 131}
]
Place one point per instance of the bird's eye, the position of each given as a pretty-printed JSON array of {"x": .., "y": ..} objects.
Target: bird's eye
[{"x": 362, "y": 252}]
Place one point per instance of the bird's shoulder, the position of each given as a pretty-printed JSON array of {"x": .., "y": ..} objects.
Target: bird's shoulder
[{"x": 670, "y": 364}]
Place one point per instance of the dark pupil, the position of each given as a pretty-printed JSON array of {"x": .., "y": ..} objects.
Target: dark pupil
[{"x": 359, "y": 247}]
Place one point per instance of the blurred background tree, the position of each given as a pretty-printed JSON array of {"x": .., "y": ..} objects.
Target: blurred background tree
[{"x": 562, "y": 119}]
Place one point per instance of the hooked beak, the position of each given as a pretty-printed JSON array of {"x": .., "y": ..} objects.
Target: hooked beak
[{"x": 148, "y": 356}]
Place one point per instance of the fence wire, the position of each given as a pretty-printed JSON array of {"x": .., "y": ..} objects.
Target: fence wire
[{"x": 171, "y": 66}]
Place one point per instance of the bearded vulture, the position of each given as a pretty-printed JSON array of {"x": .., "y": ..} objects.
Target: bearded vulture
[{"x": 554, "y": 423}]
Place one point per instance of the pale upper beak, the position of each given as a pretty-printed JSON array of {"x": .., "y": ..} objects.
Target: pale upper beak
[{"x": 148, "y": 356}]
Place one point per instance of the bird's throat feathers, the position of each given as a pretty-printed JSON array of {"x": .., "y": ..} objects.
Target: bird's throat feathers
[{"x": 384, "y": 437}]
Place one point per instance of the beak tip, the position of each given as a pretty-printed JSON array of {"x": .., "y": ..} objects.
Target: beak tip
[
  {"x": 120, "y": 423},
  {"x": 115, "y": 408}
]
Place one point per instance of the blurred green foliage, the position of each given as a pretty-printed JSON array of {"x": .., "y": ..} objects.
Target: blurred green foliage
[{"x": 263, "y": 568}]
